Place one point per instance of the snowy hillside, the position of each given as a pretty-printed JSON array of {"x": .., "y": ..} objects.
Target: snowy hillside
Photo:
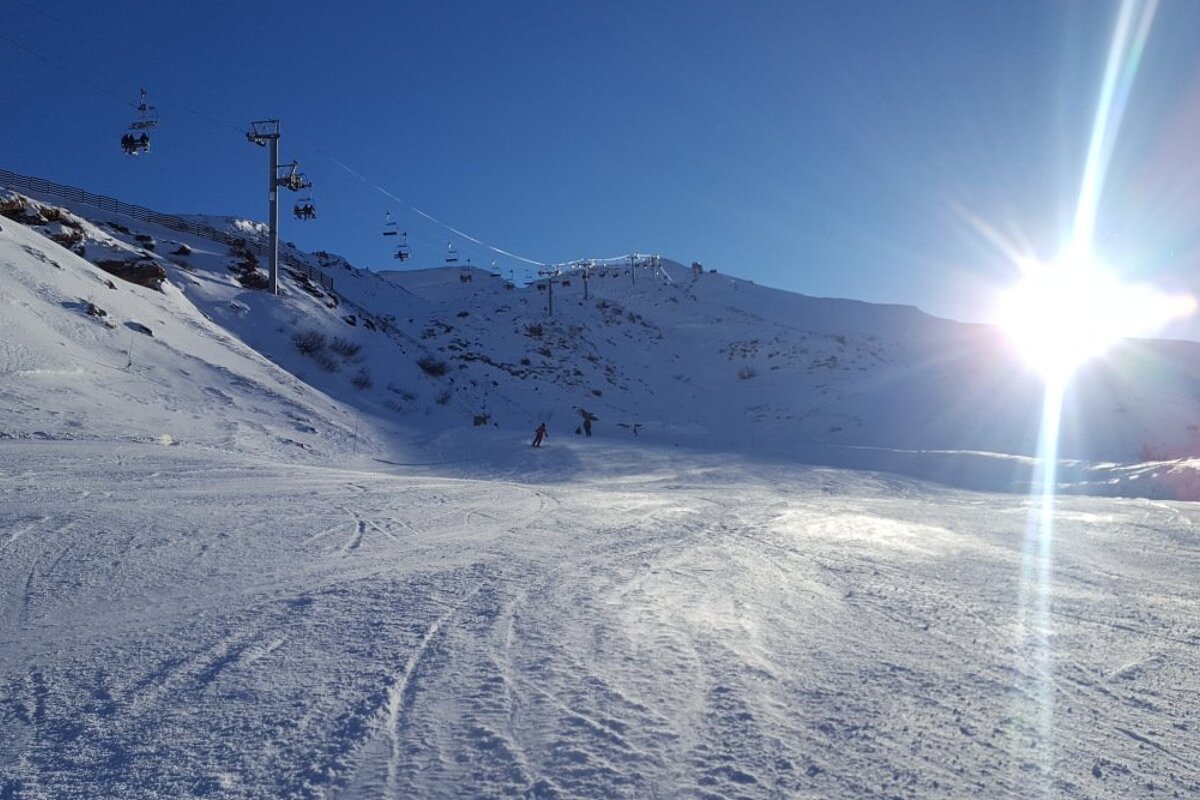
[
  {"x": 90, "y": 356},
  {"x": 298, "y": 546},
  {"x": 447, "y": 358}
]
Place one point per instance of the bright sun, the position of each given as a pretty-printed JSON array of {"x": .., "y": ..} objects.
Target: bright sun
[{"x": 1060, "y": 315}]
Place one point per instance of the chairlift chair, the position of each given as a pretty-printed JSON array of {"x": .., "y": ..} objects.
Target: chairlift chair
[
  {"x": 304, "y": 209},
  {"x": 451, "y": 254},
  {"x": 134, "y": 144},
  {"x": 402, "y": 252},
  {"x": 147, "y": 114},
  {"x": 390, "y": 227},
  {"x": 136, "y": 140},
  {"x": 294, "y": 179}
]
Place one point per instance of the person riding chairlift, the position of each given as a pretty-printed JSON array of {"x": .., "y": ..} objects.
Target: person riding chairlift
[{"x": 134, "y": 144}]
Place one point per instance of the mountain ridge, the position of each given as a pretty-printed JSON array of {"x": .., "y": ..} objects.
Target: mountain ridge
[{"x": 668, "y": 357}]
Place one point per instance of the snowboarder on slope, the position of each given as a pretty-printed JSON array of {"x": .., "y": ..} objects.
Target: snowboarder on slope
[{"x": 539, "y": 434}]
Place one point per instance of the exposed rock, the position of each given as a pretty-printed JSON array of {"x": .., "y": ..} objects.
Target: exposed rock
[{"x": 144, "y": 273}]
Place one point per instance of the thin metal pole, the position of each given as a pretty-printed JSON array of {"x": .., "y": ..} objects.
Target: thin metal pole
[{"x": 273, "y": 195}]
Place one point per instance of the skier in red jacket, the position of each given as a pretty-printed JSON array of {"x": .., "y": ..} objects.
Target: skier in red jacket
[{"x": 539, "y": 434}]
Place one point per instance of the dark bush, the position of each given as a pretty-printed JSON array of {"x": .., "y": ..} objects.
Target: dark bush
[
  {"x": 346, "y": 348},
  {"x": 405, "y": 393},
  {"x": 308, "y": 342},
  {"x": 254, "y": 279},
  {"x": 432, "y": 366},
  {"x": 324, "y": 361}
]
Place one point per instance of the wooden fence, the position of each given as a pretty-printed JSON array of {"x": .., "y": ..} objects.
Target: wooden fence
[{"x": 43, "y": 187}]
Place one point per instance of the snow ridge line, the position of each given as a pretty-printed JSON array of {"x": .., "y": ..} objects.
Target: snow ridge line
[
  {"x": 398, "y": 690},
  {"x": 41, "y": 186}
]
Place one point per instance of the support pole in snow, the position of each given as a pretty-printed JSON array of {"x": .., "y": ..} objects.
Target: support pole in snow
[
  {"x": 633, "y": 269},
  {"x": 273, "y": 215},
  {"x": 549, "y": 275},
  {"x": 263, "y": 133}
]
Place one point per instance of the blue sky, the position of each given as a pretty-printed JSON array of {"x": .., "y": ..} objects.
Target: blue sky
[{"x": 828, "y": 148}]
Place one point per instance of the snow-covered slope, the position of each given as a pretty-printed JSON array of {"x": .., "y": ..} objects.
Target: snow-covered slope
[
  {"x": 440, "y": 358},
  {"x": 89, "y": 356},
  {"x": 206, "y": 592}
]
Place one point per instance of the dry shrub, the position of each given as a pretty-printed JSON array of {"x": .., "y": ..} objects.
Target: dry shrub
[{"x": 309, "y": 342}]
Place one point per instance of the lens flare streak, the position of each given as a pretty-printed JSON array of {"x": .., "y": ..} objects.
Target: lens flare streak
[
  {"x": 1035, "y": 640},
  {"x": 1124, "y": 55}
]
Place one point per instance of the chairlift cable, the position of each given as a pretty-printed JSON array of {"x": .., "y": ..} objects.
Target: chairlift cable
[
  {"x": 460, "y": 233},
  {"x": 97, "y": 86},
  {"x": 240, "y": 130},
  {"x": 80, "y": 75}
]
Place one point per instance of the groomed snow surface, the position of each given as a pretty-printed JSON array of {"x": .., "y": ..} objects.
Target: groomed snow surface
[
  {"x": 186, "y": 624},
  {"x": 233, "y": 569}
]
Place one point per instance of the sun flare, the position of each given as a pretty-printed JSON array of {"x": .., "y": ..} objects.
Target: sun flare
[{"x": 1061, "y": 315}]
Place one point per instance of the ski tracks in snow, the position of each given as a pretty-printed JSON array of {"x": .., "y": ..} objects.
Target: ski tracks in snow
[
  {"x": 399, "y": 697},
  {"x": 403, "y": 743},
  {"x": 700, "y": 634}
]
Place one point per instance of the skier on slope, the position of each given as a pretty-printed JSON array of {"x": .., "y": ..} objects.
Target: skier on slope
[
  {"x": 588, "y": 419},
  {"x": 539, "y": 434}
]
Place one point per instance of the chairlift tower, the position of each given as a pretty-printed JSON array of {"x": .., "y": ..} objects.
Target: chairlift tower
[
  {"x": 550, "y": 273},
  {"x": 586, "y": 267},
  {"x": 265, "y": 133}
]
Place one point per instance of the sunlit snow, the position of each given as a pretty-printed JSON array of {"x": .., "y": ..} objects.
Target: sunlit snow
[{"x": 788, "y": 564}]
